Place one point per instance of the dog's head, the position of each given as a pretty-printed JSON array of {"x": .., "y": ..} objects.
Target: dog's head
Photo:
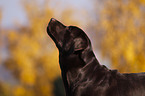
[{"x": 68, "y": 39}]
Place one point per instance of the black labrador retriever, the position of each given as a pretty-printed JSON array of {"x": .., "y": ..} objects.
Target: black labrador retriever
[{"x": 81, "y": 72}]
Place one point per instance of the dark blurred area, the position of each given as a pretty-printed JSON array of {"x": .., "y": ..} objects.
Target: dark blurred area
[
  {"x": 58, "y": 87},
  {"x": 29, "y": 64}
]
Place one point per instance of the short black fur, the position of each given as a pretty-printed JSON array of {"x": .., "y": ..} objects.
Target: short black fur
[{"x": 81, "y": 72}]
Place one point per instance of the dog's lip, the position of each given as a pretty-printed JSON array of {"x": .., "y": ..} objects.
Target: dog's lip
[
  {"x": 50, "y": 33},
  {"x": 58, "y": 44}
]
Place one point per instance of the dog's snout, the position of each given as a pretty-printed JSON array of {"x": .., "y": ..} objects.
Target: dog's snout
[{"x": 51, "y": 23}]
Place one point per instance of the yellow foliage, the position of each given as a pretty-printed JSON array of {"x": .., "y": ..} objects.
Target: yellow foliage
[
  {"x": 67, "y": 16},
  {"x": 142, "y": 1},
  {"x": 129, "y": 53},
  {"x": 19, "y": 91},
  {"x": 33, "y": 57},
  {"x": 121, "y": 23},
  {"x": 30, "y": 58},
  {"x": 28, "y": 75}
]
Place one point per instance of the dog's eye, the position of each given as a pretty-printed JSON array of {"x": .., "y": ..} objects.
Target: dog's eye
[
  {"x": 69, "y": 28},
  {"x": 77, "y": 52}
]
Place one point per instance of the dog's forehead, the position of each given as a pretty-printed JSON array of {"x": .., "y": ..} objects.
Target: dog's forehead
[{"x": 75, "y": 30}]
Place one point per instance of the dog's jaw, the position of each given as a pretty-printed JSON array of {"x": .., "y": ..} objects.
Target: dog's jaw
[{"x": 52, "y": 31}]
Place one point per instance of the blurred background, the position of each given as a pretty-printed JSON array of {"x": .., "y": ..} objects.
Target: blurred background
[{"x": 29, "y": 58}]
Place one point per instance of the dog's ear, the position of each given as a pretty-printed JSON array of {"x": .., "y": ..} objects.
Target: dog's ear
[{"x": 80, "y": 44}]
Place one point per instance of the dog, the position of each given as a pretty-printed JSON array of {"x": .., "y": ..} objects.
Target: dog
[{"x": 82, "y": 74}]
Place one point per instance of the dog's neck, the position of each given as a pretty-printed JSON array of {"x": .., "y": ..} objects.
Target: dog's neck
[
  {"x": 74, "y": 75},
  {"x": 88, "y": 56}
]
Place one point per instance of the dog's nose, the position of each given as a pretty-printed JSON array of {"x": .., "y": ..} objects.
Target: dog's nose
[{"x": 52, "y": 20}]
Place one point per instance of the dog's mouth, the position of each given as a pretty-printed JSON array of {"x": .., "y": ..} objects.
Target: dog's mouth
[{"x": 54, "y": 30}]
